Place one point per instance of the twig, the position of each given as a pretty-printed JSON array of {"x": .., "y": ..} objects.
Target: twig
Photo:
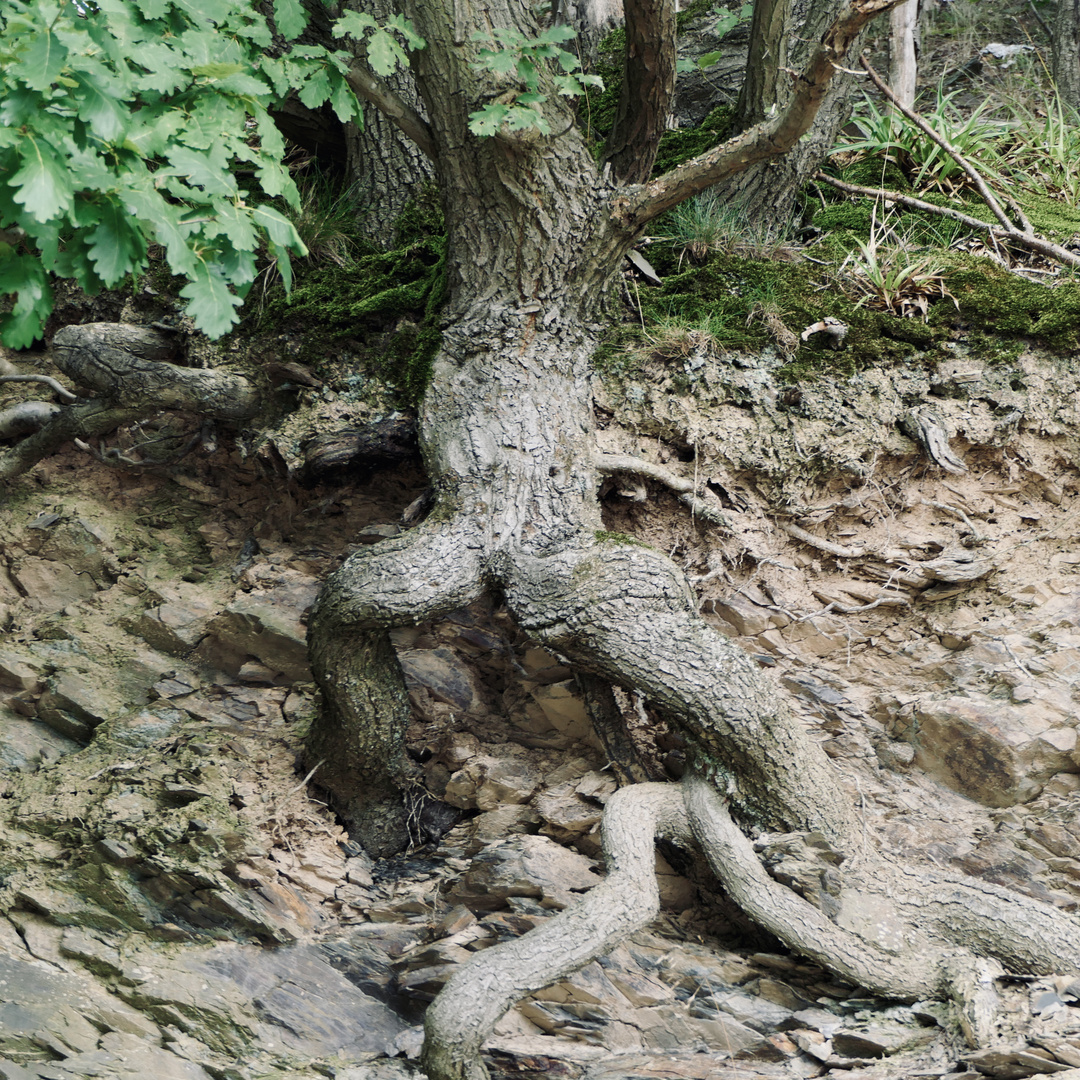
[
  {"x": 881, "y": 601},
  {"x": 61, "y": 392},
  {"x": 973, "y": 174},
  {"x": 1016, "y": 659},
  {"x": 1039, "y": 19},
  {"x": 303, "y": 783},
  {"x": 1011, "y": 235}
]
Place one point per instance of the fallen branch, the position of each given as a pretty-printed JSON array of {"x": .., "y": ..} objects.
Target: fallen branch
[
  {"x": 1012, "y": 235},
  {"x": 625, "y": 463}
]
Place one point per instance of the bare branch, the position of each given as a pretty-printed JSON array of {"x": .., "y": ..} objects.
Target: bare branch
[
  {"x": 1012, "y": 235},
  {"x": 375, "y": 92},
  {"x": 648, "y": 89},
  {"x": 633, "y": 207},
  {"x": 61, "y": 392}
]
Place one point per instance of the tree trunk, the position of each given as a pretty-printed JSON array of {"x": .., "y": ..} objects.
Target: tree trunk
[
  {"x": 903, "y": 47},
  {"x": 765, "y": 62},
  {"x": 386, "y": 168},
  {"x": 768, "y": 193},
  {"x": 1066, "y": 51},
  {"x": 535, "y": 237}
]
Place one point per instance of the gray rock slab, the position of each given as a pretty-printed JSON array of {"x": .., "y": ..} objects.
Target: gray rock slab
[
  {"x": 25, "y": 743},
  {"x": 305, "y": 1005},
  {"x": 42, "y": 1007},
  {"x": 269, "y": 626}
]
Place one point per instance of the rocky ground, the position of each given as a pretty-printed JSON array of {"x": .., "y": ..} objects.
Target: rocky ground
[{"x": 179, "y": 902}]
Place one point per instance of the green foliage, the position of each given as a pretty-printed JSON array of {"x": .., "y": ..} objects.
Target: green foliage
[
  {"x": 122, "y": 123},
  {"x": 517, "y": 57},
  {"x": 890, "y": 277},
  {"x": 708, "y": 223},
  {"x": 325, "y": 221},
  {"x": 883, "y": 133},
  {"x": 1044, "y": 147},
  {"x": 384, "y": 52}
]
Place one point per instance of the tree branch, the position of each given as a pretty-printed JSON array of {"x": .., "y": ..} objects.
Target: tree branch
[
  {"x": 972, "y": 173},
  {"x": 633, "y": 207},
  {"x": 648, "y": 89},
  {"x": 375, "y": 92}
]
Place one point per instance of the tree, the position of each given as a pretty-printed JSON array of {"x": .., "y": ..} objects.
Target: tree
[
  {"x": 537, "y": 232},
  {"x": 784, "y": 35}
]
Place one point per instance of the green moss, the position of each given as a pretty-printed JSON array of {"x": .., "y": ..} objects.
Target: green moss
[
  {"x": 602, "y": 536},
  {"x": 694, "y": 10},
  {"x": 422, "y": 218},
  {"x": 682, "y": 144},
  {"x": 999, "y": 303},
  {"x": 365, "y": 300},
  {"x": 1052, "y": 218}
]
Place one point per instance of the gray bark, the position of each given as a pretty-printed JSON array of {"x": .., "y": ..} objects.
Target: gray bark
[
  {"x": 765, "y": 62},
  {"x": 768, "y": 192},
  {"x": 903, "y": 49},
  {"x": 1066, "y": 51},
  {"x": 386, "y": 167},
  {"x": 129, "y": 369}
]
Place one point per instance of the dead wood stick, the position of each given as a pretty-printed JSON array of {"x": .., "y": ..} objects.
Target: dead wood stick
[
  {"x": 842, "y": 609},
  {"x": 1012, "y": 234},
  {"x": 816, "y": 541},
  {"x": 973, "y": 174}
]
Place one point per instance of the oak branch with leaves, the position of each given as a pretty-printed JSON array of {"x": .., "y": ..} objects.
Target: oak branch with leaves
[{"x": 131, "y": 123}]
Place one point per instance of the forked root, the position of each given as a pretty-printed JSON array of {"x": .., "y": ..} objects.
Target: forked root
[{"x": 479, "y": 993}]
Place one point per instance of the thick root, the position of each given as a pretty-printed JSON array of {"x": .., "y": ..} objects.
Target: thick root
[
  {"x": 130, "y": 365},
  {"x": 625, "y": 613},
  {"x": 478, "y": 994},
  {"x": 800, "y": 925},
  {"x": 358, "y": 739}
]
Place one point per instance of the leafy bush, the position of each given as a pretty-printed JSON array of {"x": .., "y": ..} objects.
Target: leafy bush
[{"x": 121, "y": 126}]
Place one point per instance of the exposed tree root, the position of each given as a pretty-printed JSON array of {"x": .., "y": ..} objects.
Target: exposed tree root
[
  {"x": 360, "y": 731},
  {"x": 479, "y": 993},
  {"x": 685, "y": 489}
]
